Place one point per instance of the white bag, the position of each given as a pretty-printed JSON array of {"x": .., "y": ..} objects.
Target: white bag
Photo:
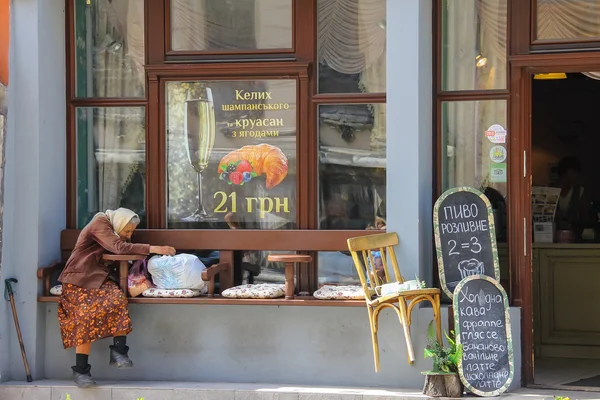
[{"x": 182, "y": 271}]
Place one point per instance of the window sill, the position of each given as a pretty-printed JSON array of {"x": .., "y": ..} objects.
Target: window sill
[{"x": 298, "y": 301}]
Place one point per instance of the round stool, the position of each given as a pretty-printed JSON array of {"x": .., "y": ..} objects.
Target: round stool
[{"x": 289, "y": 260}]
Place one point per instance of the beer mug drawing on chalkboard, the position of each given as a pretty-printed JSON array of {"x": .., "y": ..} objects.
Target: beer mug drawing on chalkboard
[{"x": 471, "y": 267}]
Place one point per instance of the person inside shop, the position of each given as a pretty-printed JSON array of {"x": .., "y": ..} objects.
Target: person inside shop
[
  {"x": 572, "y": 213},
  {"x": 92, "y": 306}
]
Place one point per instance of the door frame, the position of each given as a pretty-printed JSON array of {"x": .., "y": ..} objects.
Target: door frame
[{"x": 522, "y": 68}]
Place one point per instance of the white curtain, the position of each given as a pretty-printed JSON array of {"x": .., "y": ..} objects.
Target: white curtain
[
  {"x": 118, "y": 71},
  {"x": 568, "y": 19}
]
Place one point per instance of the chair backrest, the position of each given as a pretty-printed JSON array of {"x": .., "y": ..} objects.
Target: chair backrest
[{"x": 375, "y": 260}]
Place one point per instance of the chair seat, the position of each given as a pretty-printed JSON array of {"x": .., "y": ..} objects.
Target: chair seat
[{"x": 407, "y": 294}]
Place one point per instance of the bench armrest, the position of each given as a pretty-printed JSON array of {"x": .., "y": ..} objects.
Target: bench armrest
[
  {"x": 45, "y": 274},
  {"x": 225, "y": 272}
]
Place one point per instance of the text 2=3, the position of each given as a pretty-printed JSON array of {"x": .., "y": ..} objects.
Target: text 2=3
[{"x": 474, "y": 246}]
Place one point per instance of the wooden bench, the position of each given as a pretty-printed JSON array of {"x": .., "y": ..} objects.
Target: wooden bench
[
  {"x": 48, "y": 274},
  {"x": 227, "y": 242}
]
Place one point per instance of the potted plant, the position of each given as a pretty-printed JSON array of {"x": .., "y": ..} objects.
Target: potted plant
[{"x": 442, "y": 380}]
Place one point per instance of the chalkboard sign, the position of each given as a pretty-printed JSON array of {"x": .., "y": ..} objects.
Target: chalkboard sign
[
  {"x": 465, "y": 237},
  {"x": 482, "y": 327}
]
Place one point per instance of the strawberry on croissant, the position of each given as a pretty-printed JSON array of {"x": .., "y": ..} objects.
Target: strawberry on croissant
[{"x": 264, "y": 158}]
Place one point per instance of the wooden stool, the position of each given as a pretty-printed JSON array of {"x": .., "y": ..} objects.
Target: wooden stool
[
  {"x": 123, "y": 266},
  {"x": 289, "y": 260}
]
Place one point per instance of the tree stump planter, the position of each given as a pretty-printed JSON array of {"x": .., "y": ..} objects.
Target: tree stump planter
[{"x": 443, "y": 384}]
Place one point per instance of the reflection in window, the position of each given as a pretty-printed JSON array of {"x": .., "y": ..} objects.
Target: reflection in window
[
  {"x": 256, "y": 268},
  {"x": 352, "y": 163},
  {"x": 109, "y": 48},
  {"x": 219, "y": 25},
  {"x": 568, "y": 19},
  {"x": 474, "y": 147},
  {"x": 351, "y": 46},
  {"x": 474, "y": 44},
  {"x": 337, "y": 268},
  {"x": 111, "y": 160},
  {"x": 231, "y": 148}
]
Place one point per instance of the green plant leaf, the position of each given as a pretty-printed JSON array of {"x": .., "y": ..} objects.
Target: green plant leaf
[
  {"x": 428, "y": 353},
  {"x": 450, "y": 339},
  {"x": 223, "y": 167},
  {"x": 431, "y": 331}
]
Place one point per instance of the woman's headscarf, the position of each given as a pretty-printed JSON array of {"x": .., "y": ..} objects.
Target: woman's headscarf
[{"x": 120, "y": 217}]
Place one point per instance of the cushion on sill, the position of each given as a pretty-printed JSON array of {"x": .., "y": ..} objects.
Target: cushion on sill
[
  {"x": 56, "y": 290},
  {"x": 154, "y": 292},
  {"x": 256, "y": 291},
  {"x": 330, "y": 292}
]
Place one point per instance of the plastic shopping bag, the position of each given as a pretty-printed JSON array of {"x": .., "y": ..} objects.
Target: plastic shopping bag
[
  {"x": 138, "y": 279},
  {"x": 182, "y": 271}
]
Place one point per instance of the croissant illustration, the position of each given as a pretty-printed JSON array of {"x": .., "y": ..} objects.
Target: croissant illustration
[{"x": 240, "y": 166}]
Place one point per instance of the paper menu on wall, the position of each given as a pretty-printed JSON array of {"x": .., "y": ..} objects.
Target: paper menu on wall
[{"x": 544, "y": 201}]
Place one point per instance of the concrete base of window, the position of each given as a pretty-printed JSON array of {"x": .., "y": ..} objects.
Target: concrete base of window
[{"x": 111, "y": 390}]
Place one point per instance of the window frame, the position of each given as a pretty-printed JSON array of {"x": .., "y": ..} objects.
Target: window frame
[
  {"x": 522, "y": 34},
  {"x": 162, "y": 65}
]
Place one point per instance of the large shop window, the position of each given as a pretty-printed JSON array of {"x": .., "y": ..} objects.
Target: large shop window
[
  {"x": 285, "y": 132},
  {"x": 352, "y": 164},
  {"x": 111, "y": 161},
  {"x": 472, "y": 138}
]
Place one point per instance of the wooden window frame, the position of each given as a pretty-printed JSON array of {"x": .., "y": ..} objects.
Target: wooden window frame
[{"x": 162, "y": 65}]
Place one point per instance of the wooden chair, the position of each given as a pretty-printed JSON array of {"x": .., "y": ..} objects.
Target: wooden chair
[{"x": 403, "y": 302}]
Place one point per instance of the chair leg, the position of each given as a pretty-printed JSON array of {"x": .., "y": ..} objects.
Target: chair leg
[
  {"x": 373, "y": 324},
  {"x": 407, "y": 335},
  {"x": 438, "y": 318}
]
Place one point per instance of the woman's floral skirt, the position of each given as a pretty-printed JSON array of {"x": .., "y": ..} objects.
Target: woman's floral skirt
[{"x": 87, "y": 315}]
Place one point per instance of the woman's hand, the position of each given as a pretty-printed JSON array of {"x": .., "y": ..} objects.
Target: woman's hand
[{"x": 164, "y": 250}]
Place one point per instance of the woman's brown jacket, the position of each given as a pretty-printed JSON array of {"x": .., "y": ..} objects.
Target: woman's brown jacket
[{"x": 85, "y": 267}]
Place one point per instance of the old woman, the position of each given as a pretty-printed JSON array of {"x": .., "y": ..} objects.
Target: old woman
[{"x": 91, "y": 306}]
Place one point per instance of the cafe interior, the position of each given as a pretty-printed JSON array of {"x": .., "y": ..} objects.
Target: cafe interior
[{"x": 566, "y": 228}]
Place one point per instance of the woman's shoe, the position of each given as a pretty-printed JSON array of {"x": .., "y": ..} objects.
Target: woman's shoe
[
  {"x": 120, "y": 360},
  {"x": 83, "y": 379}
]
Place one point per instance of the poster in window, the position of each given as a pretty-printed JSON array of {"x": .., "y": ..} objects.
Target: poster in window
[{"x": 231, "y": 154}]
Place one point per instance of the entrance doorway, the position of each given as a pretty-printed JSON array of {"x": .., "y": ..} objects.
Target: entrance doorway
[
  {"x": 565, "y": 194},
  {"x": 549, "y": 273}
]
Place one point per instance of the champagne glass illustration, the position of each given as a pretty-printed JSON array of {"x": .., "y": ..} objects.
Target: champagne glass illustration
[{"x": 200, "y": 134}]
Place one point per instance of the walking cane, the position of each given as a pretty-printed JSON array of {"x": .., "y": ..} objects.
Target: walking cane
[{"x": 8, "y": 290}]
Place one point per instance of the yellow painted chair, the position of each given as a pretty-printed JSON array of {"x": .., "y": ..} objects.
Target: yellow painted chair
[{"x": 402, "y": 302}]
